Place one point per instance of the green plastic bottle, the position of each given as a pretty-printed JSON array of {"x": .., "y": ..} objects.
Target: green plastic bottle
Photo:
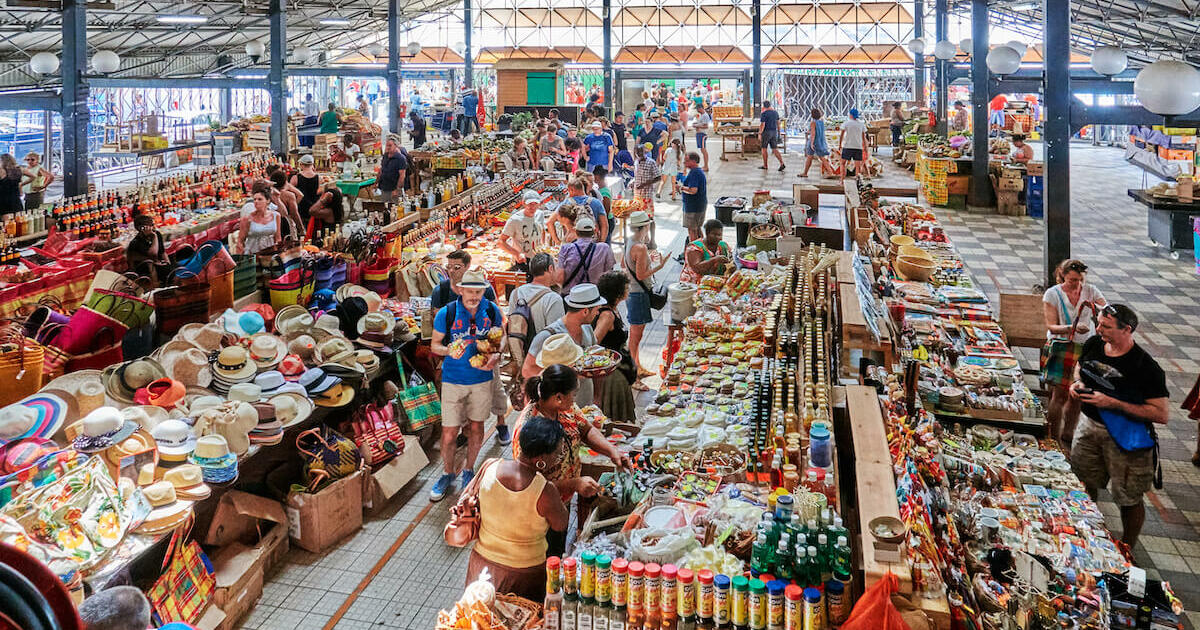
[
  {"x": 824, "y": 557},
  {"x": 784, "y": 562},
  {"x": 761, "y": 556},
  {"x": 842, "y": 556},
  {"x": 812, "y": 573}
]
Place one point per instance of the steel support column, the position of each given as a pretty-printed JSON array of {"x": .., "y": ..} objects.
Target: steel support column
[
  {"x": 276, "y": 78},
  {"x": 74, "y": 98},
  {"x": 226, "y": 105},
  {"x": 468, "y": 54},
  {"x": 610, "y": 100},
  {"x": 393, "y": 66},
  {"x": 919, "y": 60},
  {"x": 1056, "y": 198},
  {"x": 941, "y": 24},
  {"x": 756, "y": 90},
  {"x": 747, "y": 106},
  {"x": 981, "y": 186}
]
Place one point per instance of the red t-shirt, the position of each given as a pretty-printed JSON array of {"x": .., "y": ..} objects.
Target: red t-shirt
[{"x": 998, "y": 103}]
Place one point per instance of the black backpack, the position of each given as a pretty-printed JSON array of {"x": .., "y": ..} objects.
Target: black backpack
[{"x": 520, "y": 325}]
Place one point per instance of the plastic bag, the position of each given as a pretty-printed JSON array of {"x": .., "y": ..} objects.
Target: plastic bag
[
  {"x": 480, "y": 591},
  {"x": 661, "y": 545},
  {"x": 875, "y": 610}
]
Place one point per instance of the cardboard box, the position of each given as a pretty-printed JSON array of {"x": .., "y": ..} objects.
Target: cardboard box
[
  {"x": 239, "y": 576},
  {"x": 252, "y": 521},
  {"x": 1035, "y": 168},
  {"x": 213, "y": 619},
  {"x": 387, "y": 480},
  {"x": 317, "y": 521},
  {"x": 1010, "y": 183}
]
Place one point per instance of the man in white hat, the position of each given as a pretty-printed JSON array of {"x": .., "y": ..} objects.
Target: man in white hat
[
  {"x": 600, "y": 148},
  {"x": 586, "y": 259},
  {"x": 457, "y": 263},
  {"x": 582, "y": 305},
  {"x": 522, "y": 233},
  {"x": 467, "y": 390}
]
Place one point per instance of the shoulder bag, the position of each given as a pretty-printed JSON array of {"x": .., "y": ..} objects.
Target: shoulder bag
[
  {"x": 187, "y": 583},
  {"x": 463, "y": 528},
  {"x": 656, "y": 297},
  {"x": 328, "y": 456},
  {"x": 1059, "y": 356},
  {"x": 419, "y": 398}
]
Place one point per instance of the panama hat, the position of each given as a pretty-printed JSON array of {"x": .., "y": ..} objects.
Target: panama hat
[
  {"x": 138, "y": 442},
  {"x": 269, "y": 430},
  {"x": 292, "y": 318},
  {"x": 101, "y": 429},
  {"x": 315, "y": 381},
  {"x": 174, "y": 438},
  {"x": 291, "y": 408},
  {"x": 215, "y": 460},
  {"x": 303, "y": 346},
  {"x": 187, "y": 365},
  {"x": 337, "y": 396},
  {"x": 585, "y": 296},
  {"x": 167, "y": 511},
  {"x": 559, "y": 349},
  {"x": 638, "y": 218},
  {"x": 200, "y": 404},
  {"x": 188, "y": 481},
  {"x": 146, "y": 416},
  {"x": 124, "y": 379},
  {"x": 474, "y": 279},
  {"x": 40, "y": 415},
  {"x": 329, "y": 323},
  {"x": 206, "y": 337},
  {"x": 349, "y": 290},
  {"x": 245, "y": 392},
  {"x": 267, "y": 350},
  {"x": 233, "y": 365},
  {"x": 334, "y": 350},
  {"x": 381, "y": 322}
]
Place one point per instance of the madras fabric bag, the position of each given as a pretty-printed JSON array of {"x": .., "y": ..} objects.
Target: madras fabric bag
[
  {"x": 187, "y": 583},
  {"x": 1059, "y": 356},
  {"x": 420, "y": 400},
  {"x": 328, "y": 456},
  {"x": 463, "y": 528},
  {"x": 376, "y": 434},
  {"x": 176, "y": 306}
]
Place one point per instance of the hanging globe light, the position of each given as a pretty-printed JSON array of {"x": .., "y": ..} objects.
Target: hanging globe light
[
  {"x": 1003, "y": 60},
  {"x": 967, "y": 45},
  {"x": 105, "y": 61},
  {"x": 460, "y": 47},
  {"x": 1020, "y": 47},
  {"x": 414, "y": 48},
  {"x": 375, "y": 50},
  {"x": 302, "y": 53},
  {"x": 944, "y": 50},
  {"x": 1168, "y": 87},
  {"x": 255, "y": 48},
  {"x": 916, "y": 46},
  {"x": 1109, "y": 60},
  {"x": 43, "y": 63}
]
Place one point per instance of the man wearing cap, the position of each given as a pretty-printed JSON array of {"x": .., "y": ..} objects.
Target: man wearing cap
[
  {"x": 585, "y": 259},
  {"x": 600, "y": 148},
  {"x": 467, "y": 390},
  {"x": 578, "y": 189},
  {"x": 392, "y": 169},
  {"x": 853, "y": 145},
  {"x": 522, "y": 233},
  {"x": 582, "y": 305},
  {"x": 1123, "y": 394}
]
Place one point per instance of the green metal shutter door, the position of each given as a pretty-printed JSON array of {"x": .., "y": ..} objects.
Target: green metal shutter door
[{"x": 539, "y": 88}]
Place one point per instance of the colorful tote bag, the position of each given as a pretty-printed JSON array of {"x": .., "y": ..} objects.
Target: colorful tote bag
[
  {"x": 187, "y": 583},
  {"x": 1059, "y": 356},
  {"x": 328, "y": 456},
  {"x": 419, "y": 399}
]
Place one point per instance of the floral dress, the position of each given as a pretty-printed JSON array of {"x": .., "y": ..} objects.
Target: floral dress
[{"x": 576, "y": 427}]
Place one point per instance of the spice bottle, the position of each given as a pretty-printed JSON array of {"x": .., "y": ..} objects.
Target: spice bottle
[
  {"x": 721, "y": 600},
  {"x": 740, "y": 602},
  {"x": 793, "y": 614},
  {"x": 570, "y": 609},
  {"x": 637, "y": 594},
  {"x": 814, "y": 609},
  {"x": 552, "y": 605},
  {"x": 603, "y": 578},
  {"x": 687, "y": 594},
  {"x": 670, "y": 591},
  {"x": 653, "y": 599},
  {"x": 620, "y": 582},
  {"x": 587, "y": 576},
  {"x": 704, "y": 600},
  {"x": 758, "y": 604},
  {"x": 775, "y": 613}
]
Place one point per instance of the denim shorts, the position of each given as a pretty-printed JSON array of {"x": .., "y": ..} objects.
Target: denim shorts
[
  {"x": 701, "y": 139},
  {"x": 637, "y": 309}
]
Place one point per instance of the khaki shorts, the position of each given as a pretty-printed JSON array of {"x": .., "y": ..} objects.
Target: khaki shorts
[
  {"x": 465, "y": 403},
  {"x": 1097, "y": 460},
  {"x": 693, "y": 220}
]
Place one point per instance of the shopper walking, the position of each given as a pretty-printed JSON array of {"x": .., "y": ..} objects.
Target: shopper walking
[
  {"x": 579, "y": 191},
  {"x": 35, "y": 181},
  {"x": 582, "y": 305},
  {"x": 418, "y": 128},
  {"x": 10, "y": 186},
  {"x": 656, "y": 134},
  {"x": 586, "y": 259},
  {"x": 1071, "y": 304},
  {"x": 768, "y": 135},
  {"x": 815, "y": 145},
  {"x": 393, "y": 170},
  {"x": 708, "y": 257},
  {"x": 538, "y": 295},
  {"x": 853, "y": 146},
  {"x": 600, "y": 148},
  {"x": 672, "y": 166},
  {"x": 307, "y": 182},
  {"x": 1123, "y": 392},
  {"x": 616, "y": 401},
  {"x": 470, "y": 115},
  {"x": 675, "y": 129},
  {"x": 702, "y": 122},
  {"x": 695, "y": 196},
  {"x": 330, "y": 120},
  {"x": 641, "y": 269},
  {"x": 467, "y": 391},
  {"x": 258, "y": 229},
  {"x": 518, "y": 508}
]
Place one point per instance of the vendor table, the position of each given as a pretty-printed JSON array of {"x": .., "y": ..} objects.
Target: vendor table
[
  {"x": 362, "y": 188},
  {"x": 1168, "y": 221}
]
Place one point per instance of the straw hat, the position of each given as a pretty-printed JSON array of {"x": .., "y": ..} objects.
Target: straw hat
[
  {"x": 329, "y": 323},
  {"x": 82, "y": 390},
  {"x": 316, "y": 381},
  {"x": 147, "y": 474},
  {"x": 188, "y": 481},
  {"x": 474, "y": 279},
  {"x": 40, "y": 415},
  {"x": 215, "y": 460},
  {"x": 175, "y": 439},
  {"x": 303, "y": 346},
  {"x": 334, "y": 350},
  {"x": 291, "y": 408},
  {"x": 207, "y": 336},
  {"x": 167, "y": 510},
  {"x": 350, "y": 290},
  {"x": 269, "y": 430},
  {"x": 203, "y": 403},
  {"x": 101, "y": 429},
  {"x": 638, "y": 218},
  {"x": 267, "y": 350},
  {"x": 292, "y": 318},
  {"x": 373, "y": 300},
  {"x": 291, "y": 367},
  {"x": 559, "y": 349},
  {"x": 245, "y": 392},
  {"x": 337, "y": 396},
  {"x": 124, "y": 379},
  {"x": 186, "y": 365},
  {"x": 140, "y": 441},
  {"x": 146, "y": 416},
  {"x": 233, "y": 365},
  {"x": 369, "y": 362},
  {"x": 177, "y": 344},
  {"x": 232, "y": 421},
  {"x": 380, "y": 322}
]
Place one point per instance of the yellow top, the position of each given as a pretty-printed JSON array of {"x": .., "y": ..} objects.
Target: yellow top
[{"x": 511, "y": 532}]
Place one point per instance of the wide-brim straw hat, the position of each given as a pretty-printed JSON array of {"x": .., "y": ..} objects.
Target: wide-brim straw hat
[
  {"x": 188, "y": 366},
  {"x": 267, "y": 350},
  {"x": 291, "y": 318},
  {"x": 301, "y": 404},
  {"x": 124, "y": 379},
  {"x": 83, "y": 391},
  {"x": 559, "y": 349},
  {"x": 339, "y": 395}
]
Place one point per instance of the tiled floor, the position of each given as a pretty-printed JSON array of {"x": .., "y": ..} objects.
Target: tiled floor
[{"x": 423, "y": 574}]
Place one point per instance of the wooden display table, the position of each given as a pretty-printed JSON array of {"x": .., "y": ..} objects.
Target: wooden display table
[{"x": 856, "y": 335}]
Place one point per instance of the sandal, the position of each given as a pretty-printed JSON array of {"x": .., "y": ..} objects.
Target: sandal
[
  {"x": 639, "y": 386},
  {"x": 643, "y": 373}
]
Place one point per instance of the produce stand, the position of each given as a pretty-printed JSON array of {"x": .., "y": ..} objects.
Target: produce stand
[{"x": 1168, "y": 220}]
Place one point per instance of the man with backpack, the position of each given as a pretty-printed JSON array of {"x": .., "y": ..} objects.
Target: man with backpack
[
  {"x": 531, "y": 308},
  {"x": 586, "y": 259}
]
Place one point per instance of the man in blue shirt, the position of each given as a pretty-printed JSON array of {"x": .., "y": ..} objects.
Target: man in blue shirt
[
  {"x": 457, "y": 263},
  {"x": 768, "y": 134},
  {"x": 600, "y": 148},
  {"x": 577, "y": 189},
  {"x": 656, "y": 134},
  {"x": 467, "y": 391},
  {"x": 470, "y": 118},
  {"x": 695, "y": 196}
]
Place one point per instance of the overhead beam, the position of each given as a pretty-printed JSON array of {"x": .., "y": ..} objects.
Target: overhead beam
[
  {"x": 46, "y": 101},
  {"x": 1083, "y": 115},
  {"x": 1056, "y": 197},
  {"x": 981, "y": 186},
  {"x": 212, "y": 84},
  {"x": 74, "y": 98},
  {"x": 276, "y": 79}
]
